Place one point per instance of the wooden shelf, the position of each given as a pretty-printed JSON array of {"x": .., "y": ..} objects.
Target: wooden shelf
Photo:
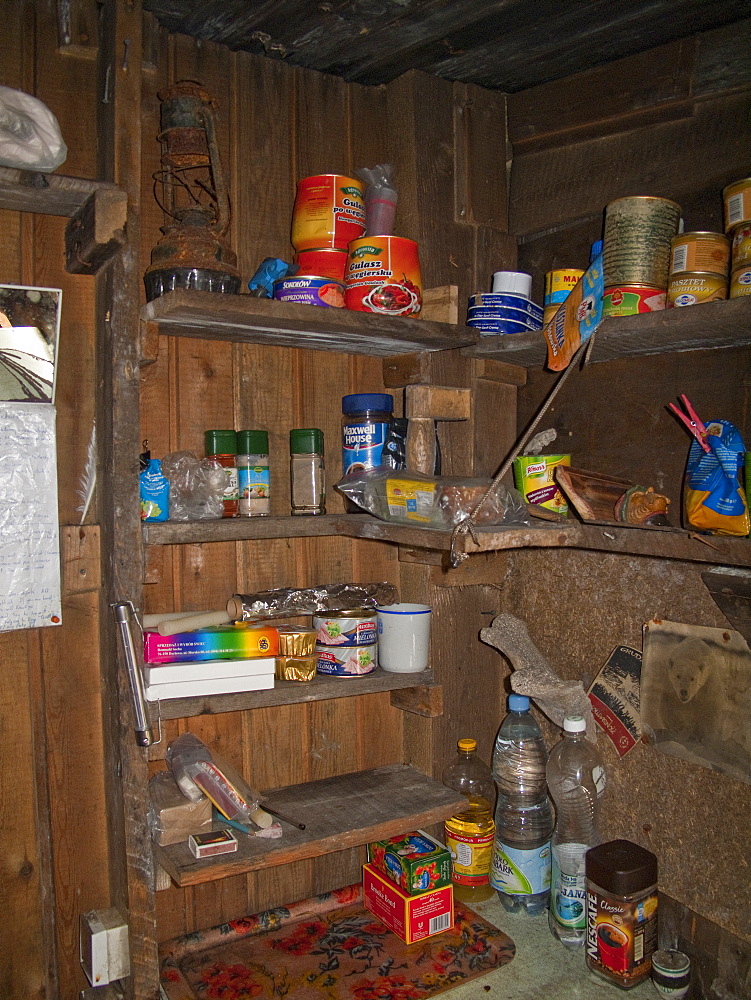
[
  {"x": 692, "y": 328},
  {"x": 662, "y": 543},
  {"x": 247, "y": 319},
  {"x": 346, "y": 811},
  {"x": 321, "y": 688},
  {"x": 46, "y": 194}
]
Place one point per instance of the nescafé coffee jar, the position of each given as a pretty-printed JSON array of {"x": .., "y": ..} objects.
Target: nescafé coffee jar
[{"x": 621, "y": 884}]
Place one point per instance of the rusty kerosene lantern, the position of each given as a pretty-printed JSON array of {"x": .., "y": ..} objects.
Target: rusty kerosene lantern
[{"x": 192, "y": 253}]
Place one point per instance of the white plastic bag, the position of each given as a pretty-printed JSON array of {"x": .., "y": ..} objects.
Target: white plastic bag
[{"x": 30, "y": 137}]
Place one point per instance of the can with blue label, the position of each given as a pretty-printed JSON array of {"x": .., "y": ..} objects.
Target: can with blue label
[{"x": 366, "y": 420}]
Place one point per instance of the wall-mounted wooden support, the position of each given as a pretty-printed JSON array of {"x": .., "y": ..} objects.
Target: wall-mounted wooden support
[
  {"x": 80, "y": 558},
  {"x": 96, "y": 232},
  {"x": 424, "y": 405},
  {"x": 441, "y": 304},
  {"x": 153, "y": 563},
  {"x": 46, "y": 194},
  {"x": 148, "y": 346},
  {"x": 422, "y": 700}
]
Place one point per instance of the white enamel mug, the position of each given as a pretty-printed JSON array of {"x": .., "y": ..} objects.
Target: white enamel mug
[{"x": 403, "y": 637}]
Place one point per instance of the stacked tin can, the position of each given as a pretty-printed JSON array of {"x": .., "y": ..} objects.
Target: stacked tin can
[
  {"x": 737, "y": 201},
  {"x": 346, "y": 642},
  {"x": 636, "y": 253},
  {"x": 699, "y": 265},
  {"x": 507, "y": 309}
]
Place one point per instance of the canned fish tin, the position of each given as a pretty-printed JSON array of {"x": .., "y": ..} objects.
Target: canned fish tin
[
  {"x": 736, "y": 199},
  {"x": 503, "y": 301},
  {"x": 558, "y": 285},
  {"x": 690, "y": 289},
  {"x": 310, "y": 290},
  {"x": 627, "y": 300},
  {"x": 637, "y": 239},
  {"x": 327, "y": 263},
  {"x": 383, "y": 276},
  {"x": 329, "y": 212},
  {"x": 346, "y": 628},
  {"x": 741, "y": 246},
  {"x": 346, "y": 661},
  {"x": 500, "y": 312},
  {"x": 498, "y": 326},
  {"x": 534, "y": 477},
  {"x": 700, "y": 252},
  {"x": 740, "y": 283}
]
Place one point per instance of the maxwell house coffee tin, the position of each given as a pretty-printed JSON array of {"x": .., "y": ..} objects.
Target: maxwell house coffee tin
[
  {"x": 692, "y": 288},
  {"x": 700, "y": 253},
  {"x": 310, "y": 290},
  {"x": 329, "y": 212}
]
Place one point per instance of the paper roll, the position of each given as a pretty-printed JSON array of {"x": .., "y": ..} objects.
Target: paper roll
[{"x": 201, "y": 619}]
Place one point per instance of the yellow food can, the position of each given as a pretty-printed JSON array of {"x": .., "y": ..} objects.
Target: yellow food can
[
  {"x": 700, "y": 252},
  {"x": 737, "y": 203},
  {"x": 740, "y": 283},
  {"x": 692, "y": 288}
]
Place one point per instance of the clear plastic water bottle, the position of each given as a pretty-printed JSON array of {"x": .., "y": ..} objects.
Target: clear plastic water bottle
[
  {"x": 576, "y": 779},
  {"x": 523, "y": 820},
  {"x": 469, "y": 832}
]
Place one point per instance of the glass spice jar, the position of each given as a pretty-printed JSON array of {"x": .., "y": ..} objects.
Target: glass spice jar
[
  {"x": 307, "y": 471},
  {"x": 221, "y": 448}
]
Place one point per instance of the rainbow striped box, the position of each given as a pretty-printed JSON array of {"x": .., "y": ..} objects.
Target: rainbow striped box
[{"x": 221, "y": 642}]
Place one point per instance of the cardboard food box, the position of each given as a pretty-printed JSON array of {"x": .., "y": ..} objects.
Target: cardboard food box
[
  {"x": 411, "y": 918},
  {"x": 221, "y": 642},
  {"x": 415, "y": 862}
]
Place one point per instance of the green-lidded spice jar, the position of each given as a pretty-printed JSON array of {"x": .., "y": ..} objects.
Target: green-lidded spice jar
[
  {"x": 307, "y": 471},
  {"x": 221, "y": 448},
  {"x": 253, "y": 473}
]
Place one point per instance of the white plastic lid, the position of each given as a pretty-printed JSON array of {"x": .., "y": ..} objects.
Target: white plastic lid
[
  {"x": 574, "y": 724},
  {"x": 513, "y": 283}
]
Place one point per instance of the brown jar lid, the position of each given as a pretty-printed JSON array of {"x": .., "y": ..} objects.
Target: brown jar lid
[{"x": 621, "y": 867}]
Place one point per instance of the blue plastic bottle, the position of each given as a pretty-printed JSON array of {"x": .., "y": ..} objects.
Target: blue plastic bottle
[
  {"x": 154, "y": 492},
  {"x": 523, "y": 819}
]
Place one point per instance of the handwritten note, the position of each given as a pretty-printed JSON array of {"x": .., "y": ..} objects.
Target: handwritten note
[{"x": 29, "y": 535}]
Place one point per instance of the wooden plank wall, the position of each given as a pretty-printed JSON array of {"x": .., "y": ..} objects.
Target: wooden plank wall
[
  {"x": 278, "y": 124},
  {"x": 53, "y": 853},
  {"x": 671, "y": 122}
]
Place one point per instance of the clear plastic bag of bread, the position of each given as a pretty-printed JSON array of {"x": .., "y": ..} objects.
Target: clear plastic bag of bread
[{"x": 406, "y": 497}]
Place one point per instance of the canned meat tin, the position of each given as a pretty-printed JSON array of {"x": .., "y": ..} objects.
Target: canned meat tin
[
  {"x": 692, "y": 288},
  {"x": 329, "y": 212},
  {"x": 346, "y": 661},
  {"x": 700, "y": 252},
  {"x": 310, "y": 290},
  {"x": 737, "y": 202},
  {"x": 627, "y": 300},
  {"x": 741, "y": 246},
  {"x": 326, "y": 263},
  {"x": 740, "y": 283},
  {"x": 356, "y": 628}
]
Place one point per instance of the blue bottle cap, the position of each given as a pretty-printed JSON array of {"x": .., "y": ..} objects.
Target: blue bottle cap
[
  {"x": 595, "y": 250},
  {"x": 518, "y": 703},
  {"x": 378, "y": 401}
]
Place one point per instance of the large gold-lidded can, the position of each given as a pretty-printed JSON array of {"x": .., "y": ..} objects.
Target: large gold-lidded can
[
  {"x": 636, "y": 241},
  {"x": 700, "y": 253},
  {"x": 740, "y": 283},
  {"x": 740, "y": 239},
  {"x": 736, "y": 198},
  {"x": 692, "y": 288}
]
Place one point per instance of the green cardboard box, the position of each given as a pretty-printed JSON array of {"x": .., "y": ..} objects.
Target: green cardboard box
[{"x": 415, "y": 862}]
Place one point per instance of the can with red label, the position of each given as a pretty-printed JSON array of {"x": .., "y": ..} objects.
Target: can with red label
[
  {"x": 329, "y": 212},
  {"x": 627, "y": 300},
  {"x": 700, "y": 253},
  {"x": 383, "y": 276},
  {"x": 327, "y": 263},
  {"x": 692, "y": 288}
]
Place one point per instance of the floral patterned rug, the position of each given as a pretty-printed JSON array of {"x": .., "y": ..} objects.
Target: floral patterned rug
[{"x": 327, "y": 947}]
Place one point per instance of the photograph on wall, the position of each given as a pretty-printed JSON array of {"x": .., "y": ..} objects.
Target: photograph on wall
[
  {"x": 614, "y": 696},
  {"x": 29, "y": 334},
  {"x": 696, "y": 695}
]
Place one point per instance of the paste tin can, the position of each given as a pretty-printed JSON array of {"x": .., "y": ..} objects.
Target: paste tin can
[
  {"x": 700, "y": 252},
  {"x": 349, "y": 660},
  {"x": 310, "y": 290},
  {"x": 326, "y": 263},
  {"x": 329, "y": 212},
  {"x": 692, "y": 288},
  {"x": 736, "y": 199},
  {"x": 621, "y": 912},
  {"x": 740, "y": 283},
  {"x": 346, "y": 628},
  {"x": 628, "y": 300},
  {"x": 534, "y": 477},
  {"x": 636, "y": 241},
  {"x": 741, "y": 246},
  {"x": 383, "y": 276}
]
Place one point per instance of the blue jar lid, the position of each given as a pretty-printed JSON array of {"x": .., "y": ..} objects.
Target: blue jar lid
[
  {"x": 378, "y": 401},
  {"x": 595, "y": 250},
  {"x": 518, "y": 703}
]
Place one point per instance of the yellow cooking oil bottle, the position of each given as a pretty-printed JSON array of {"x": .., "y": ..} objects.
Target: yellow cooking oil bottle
[{"x": 469, "y": 832}]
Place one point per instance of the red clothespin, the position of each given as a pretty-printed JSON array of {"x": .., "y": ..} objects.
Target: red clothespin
[{"x": 692, "y": 422}]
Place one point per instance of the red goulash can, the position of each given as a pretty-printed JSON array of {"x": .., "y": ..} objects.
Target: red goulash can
[
  {"x": 737, "y": 202},
  {"x": 329, "y": 212},
  {"x": 700, "y": 253},
  {"x": 627, "y": 300},
  {"x": 327, "y": 263},
  {"x": 383, "y": 276},
  {"x": 741, "y": 250},
  {"x": 740, "y": 283},
  {"x": 692, "y": 288}
]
